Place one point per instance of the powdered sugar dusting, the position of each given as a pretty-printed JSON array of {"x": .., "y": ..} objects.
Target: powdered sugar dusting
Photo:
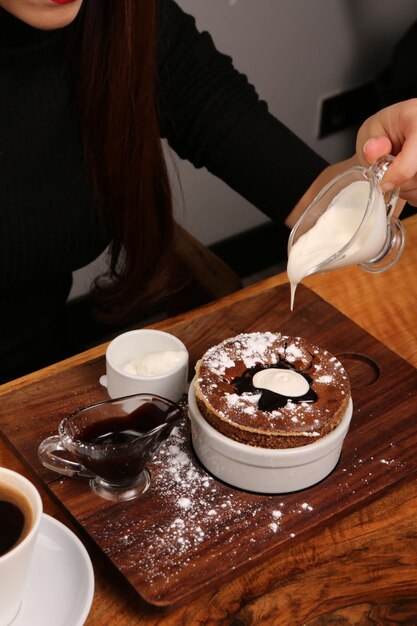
[
  {"x": 250, "y": 348},
  {"x": 293, "y": 352},
  {"x": 188, "y": 517},
  {"x": 196, "y": 510},
  {"x": 325, "y": 379}
]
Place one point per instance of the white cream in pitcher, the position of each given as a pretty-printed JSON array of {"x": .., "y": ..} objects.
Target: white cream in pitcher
[{"x": 334, "y": 229}]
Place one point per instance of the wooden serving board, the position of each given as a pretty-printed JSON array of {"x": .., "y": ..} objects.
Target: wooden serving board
[{"x": 190, "y": 532}]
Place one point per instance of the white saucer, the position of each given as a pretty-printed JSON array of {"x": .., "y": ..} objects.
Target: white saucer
[{"x": 60, "y": 585}]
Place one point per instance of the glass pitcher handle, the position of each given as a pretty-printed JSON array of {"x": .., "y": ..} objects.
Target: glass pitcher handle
[
  {"x": 378, "y": 170},
  {"x": 52, "y": 461},
  {"x": 394, "y": 246}
]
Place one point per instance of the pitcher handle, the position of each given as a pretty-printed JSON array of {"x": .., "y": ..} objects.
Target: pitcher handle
[
  {"x": 49, "y": 459},
  {"x": 378, "y": 170},
  {"x": 394, "y": 246}
]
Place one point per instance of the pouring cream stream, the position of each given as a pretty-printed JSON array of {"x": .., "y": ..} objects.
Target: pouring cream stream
[{"x": 318, "y": 249}]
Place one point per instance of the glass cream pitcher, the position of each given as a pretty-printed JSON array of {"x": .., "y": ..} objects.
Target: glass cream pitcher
[{"x": 349, "y": 222}]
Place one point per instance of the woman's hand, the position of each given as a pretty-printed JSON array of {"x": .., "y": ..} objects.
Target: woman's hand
[{"x": 393, "y": 130}]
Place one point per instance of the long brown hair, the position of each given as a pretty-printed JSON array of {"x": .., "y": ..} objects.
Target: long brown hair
[{"x": 115, "y": 79}]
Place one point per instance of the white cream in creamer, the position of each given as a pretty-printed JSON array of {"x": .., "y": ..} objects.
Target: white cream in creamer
[
  {"x": 156, "y": 363},
  {"x": 334, "y": 229}
]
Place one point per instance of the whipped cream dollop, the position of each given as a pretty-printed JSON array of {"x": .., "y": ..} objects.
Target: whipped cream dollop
[{"x": 156, "y": 363}]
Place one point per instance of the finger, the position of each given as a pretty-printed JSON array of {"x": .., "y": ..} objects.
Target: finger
[
  {"x": 409, "y": 195},
  {"x": 404, "y": 166},
  {"x": 376, "y": 147}
]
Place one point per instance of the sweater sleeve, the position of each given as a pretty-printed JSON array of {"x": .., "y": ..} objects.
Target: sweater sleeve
[{"x": 212, "y": 116}]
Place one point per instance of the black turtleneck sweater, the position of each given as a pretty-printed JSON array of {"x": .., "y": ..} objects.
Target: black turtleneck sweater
[{"x": 48, "y": 228}]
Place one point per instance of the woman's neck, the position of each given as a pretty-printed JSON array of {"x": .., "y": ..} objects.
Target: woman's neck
[{"x": 17, "y": 34}]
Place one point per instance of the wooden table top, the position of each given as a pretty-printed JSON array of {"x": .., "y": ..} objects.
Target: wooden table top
[{"x": 359, "y": 570}]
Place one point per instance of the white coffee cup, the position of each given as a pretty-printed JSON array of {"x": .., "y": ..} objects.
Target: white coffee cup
[
  {"x": 132, "y": 346},
  {"x": 14, "y": 564}
]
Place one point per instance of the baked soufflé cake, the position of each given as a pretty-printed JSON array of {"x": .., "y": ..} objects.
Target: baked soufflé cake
[{"x": 268, "y": 390}]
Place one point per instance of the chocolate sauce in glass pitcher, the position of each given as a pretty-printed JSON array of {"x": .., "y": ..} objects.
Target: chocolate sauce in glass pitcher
[
  {"x": 119, "y": 447},
  {"x": 124, "y": 429}
]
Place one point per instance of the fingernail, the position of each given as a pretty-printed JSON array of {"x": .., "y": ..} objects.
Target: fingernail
[
  {"x": 369, "y": 143},
  {"x": 388, "y": 186}
]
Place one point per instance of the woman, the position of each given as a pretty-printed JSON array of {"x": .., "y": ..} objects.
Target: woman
[
  {"x": 86, "y": 91},
  {"x": 87, "y": 88}
]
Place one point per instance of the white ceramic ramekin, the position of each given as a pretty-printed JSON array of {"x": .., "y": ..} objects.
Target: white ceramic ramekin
[
  {"x": 134, "y": 344},
  {"x": 265, "y": 470}
]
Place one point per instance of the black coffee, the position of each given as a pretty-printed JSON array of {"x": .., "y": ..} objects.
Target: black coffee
[{"x": 15, "y": 518}]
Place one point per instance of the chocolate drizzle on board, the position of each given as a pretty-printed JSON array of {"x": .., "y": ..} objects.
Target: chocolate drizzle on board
[{"x": 270, "y": 400}]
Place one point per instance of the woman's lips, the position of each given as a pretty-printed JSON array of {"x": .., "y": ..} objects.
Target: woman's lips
[{"x": 62, "y": 1}]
